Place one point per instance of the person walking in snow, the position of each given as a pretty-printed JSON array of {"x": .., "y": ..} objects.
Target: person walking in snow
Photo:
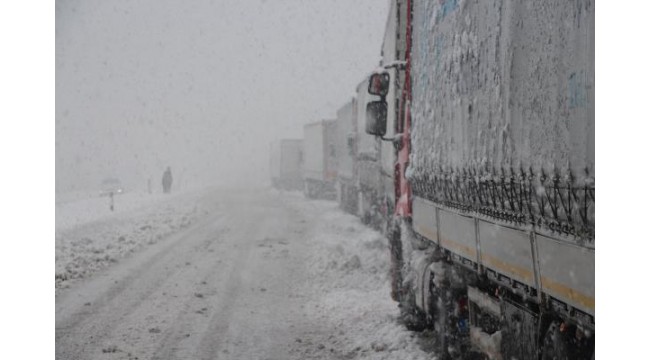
[{"x": 167, "y": 181}]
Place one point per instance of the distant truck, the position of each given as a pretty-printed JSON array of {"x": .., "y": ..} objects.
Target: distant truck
[
  {"x": 320, "y": 159},
  {"x": 374, "y": 159},
  {"x": 347, "y": 187},
  {"x": 286, "y": 164},
  {"x": 493, "y": 236},
  {"x": 368, "y": 164}
]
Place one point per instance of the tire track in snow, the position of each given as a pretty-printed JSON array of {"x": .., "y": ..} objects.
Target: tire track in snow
[
  {"x": 176, "y": 344},
  {"x": 94, "y": 308},
  {"x": 213, "y": 338}
]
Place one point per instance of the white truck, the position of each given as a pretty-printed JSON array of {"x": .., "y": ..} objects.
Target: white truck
[
  {"x": 286, "y": 164},
  {"x": 346, "y": 144},
  {"x": 320, "y": 159},
  {"x": 494, "y": 174}
]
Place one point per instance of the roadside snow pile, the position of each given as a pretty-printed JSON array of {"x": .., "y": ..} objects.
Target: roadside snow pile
[
  {"x": 351, "y": 289},
  {"x": 74, "y": 209},
  {"x": 88, "y": 238}
]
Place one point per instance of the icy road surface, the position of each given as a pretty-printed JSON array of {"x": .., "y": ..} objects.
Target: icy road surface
[{"x": 226, "y": 275}]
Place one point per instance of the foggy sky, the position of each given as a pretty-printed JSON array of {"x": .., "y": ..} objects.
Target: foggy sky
[{"x": 201, "y": 86}]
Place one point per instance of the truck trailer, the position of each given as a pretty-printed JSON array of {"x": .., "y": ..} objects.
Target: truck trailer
[
  {"x": 286, "y": 164},
  {"x": 320, "y": 155},
  {"x": 346, "y": 142},
  {"x": 494, "y": 174}
]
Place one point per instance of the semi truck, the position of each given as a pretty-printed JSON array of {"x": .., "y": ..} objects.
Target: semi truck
[
  {"x": 493, "y": 231},
  {"x": 320, "y": 159},
  {"x": 346, "y": 143},
  {"x": 368, "y": 164},
  {"x": 364, "y": 183},
  {"x": 375, "y": 159},
  {"x": 286, "y": 164}
]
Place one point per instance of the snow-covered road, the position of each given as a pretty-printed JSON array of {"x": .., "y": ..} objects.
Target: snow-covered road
[{"x": 248, "y": 275}]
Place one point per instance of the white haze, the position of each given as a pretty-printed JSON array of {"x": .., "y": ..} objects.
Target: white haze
[{"x": 201, "y": 86}]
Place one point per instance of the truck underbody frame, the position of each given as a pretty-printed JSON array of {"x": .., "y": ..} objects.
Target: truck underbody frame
[
  {"x": 523, "y": 321},
  {"x": 532, "y": 281}
]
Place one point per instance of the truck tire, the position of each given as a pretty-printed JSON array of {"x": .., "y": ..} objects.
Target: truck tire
[
  {"x": 396, "y": 261},
  {"x": 554, "y": 346},
  {"x": 568, "y": 343},
  {"x": 412, "y": 317}
]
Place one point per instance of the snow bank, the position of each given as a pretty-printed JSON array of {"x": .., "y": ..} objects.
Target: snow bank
[
  {"x": 75, "y": 209},
  {"x": 351, "y": 289},
  {"x": 89, "y": 236}
]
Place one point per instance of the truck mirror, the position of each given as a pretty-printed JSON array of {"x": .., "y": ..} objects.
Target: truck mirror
[
  {"x": 378, "y": 84},
  {"x": 376, "y": 113}
]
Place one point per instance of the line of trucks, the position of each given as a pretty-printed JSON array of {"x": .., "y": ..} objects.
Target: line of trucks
[{"x": 471, "y": 148}]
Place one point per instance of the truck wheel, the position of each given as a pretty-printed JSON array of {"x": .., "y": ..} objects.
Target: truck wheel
[
  {"x": 554, "y": 346},
  {"x": 412, "y": 317},
  {"x": 564, "y": 342},
  {"x": 396, "y": 262}
]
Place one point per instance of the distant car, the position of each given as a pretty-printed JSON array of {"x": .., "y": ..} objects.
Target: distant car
[{"x": 111, "y": 185}]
